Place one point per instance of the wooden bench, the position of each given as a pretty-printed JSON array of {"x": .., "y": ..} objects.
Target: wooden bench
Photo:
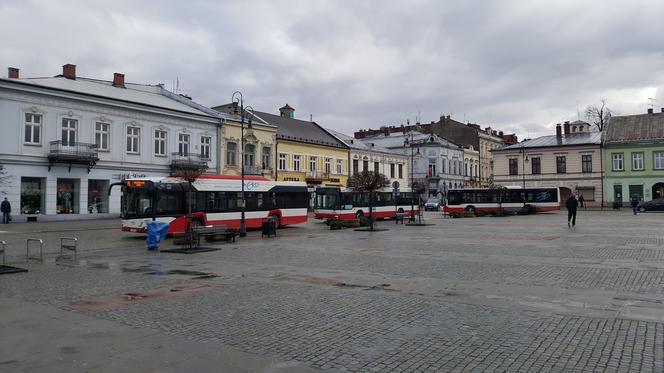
[
  {"x": 399, "y": 217},
  {"x": 210, "y": 233}
]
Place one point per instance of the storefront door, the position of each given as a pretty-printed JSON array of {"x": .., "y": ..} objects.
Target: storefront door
[{"x": 67, "y": 197}]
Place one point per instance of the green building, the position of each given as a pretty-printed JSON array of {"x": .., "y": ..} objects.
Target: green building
[{"x": 634, "y": 158}]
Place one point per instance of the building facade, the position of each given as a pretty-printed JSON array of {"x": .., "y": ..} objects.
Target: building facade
[
  {"x": 370, "y": 157},
  {"x": 634, "y": 158},
  {"x": 471, "y": 162},
  {"x": 66, "y": 139},
  {"x": 260, "y": 139},
  {"x": 569, "y": 161},
  {"x": 435, "y": 162}
]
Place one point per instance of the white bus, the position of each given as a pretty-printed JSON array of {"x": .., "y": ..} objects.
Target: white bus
[
  {"x": 343, "y": 203},
  {"x": 506, "y": 199},
  {"x": 216, "y": 200}
]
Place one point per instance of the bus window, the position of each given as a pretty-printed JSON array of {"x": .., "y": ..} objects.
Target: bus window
[
  {"x": 170, "y": 203},
  {"x": 138, "y": 202}
]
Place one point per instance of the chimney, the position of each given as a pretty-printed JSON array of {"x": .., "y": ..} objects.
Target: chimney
[
  {"x": 663, "y": 110},
  {"x": 559, "y": 131},
  {"x": 649, "y": 110},
  {"x": 118, "y": 80},
  {"x": 69, "y": 71},
  {"x": 566, "y": 127},
  {"x": 12, "y": 73},
  {"x": 287, "y": 112}
]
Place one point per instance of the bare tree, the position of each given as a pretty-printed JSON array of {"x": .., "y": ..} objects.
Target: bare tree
[
  {"x": 599, "y": 115},
  {"x": 368, "y": 182}
]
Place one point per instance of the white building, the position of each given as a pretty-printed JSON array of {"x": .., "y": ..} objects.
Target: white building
[
  {"x": 367, "y": 156},
  {"x": 471, "y": 162},
  {"x": 438, "y": 163},
  {"x": 66, "y": 139}
]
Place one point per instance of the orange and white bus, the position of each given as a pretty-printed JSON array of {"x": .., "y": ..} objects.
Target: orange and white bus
[
  {"x": 216, "y": 200},
  {"x": 507, "y": 199},
  {"x": 343, "y": 203}
]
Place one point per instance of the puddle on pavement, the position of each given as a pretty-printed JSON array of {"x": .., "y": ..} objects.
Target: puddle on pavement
[{"x": 183, "y": 272}]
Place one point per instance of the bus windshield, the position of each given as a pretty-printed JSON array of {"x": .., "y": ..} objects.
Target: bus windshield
[{"x": 137, "y": 202}]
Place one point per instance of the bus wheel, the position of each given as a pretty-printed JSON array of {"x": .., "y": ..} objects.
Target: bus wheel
[
  {"x": 276, "y": 219},
  {"x": 400, "y": 210},
  {"x": 359, "y": 215},
  {"x": 195, "y": 223},
  {"x": 470, "y": 209}
]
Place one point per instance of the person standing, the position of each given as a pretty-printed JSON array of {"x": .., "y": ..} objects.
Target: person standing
[
  {"x": 6, "y": 208},
  {"x": 635, "y": 204},
  {"x": 582, "y": 201},
  {"x": 571, "y": 205}
]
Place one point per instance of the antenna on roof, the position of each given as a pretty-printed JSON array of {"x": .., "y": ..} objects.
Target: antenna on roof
[{"x": 311, "y": 117}]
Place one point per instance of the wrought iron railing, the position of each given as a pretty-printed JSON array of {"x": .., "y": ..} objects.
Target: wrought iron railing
[
  {"x": 317, "y": 175},
  {"x": 72, "y": 150},
  {"x": 180, "y": 160}
]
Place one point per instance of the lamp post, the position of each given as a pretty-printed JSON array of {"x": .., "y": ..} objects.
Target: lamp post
[
  {"x": 524, "y": 159},
  {"x": 410, "y": 144},
  {"x": 237, "y": 99}
]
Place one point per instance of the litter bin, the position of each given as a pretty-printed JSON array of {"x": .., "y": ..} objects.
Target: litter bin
[
  {"x": 157, "y": 231},
  {"x": 269, "y": 227}
]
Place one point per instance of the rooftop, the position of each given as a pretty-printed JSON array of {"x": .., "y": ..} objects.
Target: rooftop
[
  {"x": 635, "y": 128},
  {"x": 143, "y": 94},
  {"x": 397, "y": 139},
  {"x": 356, "y": 144},
  {"x": 579, "y": 138}
]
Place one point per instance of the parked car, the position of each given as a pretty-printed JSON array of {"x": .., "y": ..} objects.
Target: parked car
[
  {"x": 432, "y": 204},
  {"x": 656, "y": 204}
]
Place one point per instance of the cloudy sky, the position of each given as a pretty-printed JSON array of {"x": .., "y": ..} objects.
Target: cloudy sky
[{"x": 519, "y": 66}]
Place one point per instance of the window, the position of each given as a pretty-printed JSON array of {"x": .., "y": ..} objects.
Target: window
[
  {"x": 328, "y": 165},
  {"x": 561, "y": 164},
  {"x": 249, "y": 154},
  {"x": 101, "y": 135},
  {"x": 231, "y": 154},
  {"x": 32, "y": 129},
  {"x": 266, "y": 158},
  {"x": 183, "y": 144},
  {"x": 69, "y": 130},
  {"x": 536, "y": 165},
  {"x": 586, "y": 163},
  {"x": 376, "y": 167},
  {"x": 283, "y": 161},
  {"x": 466, "y": 169},
  {"x": 206, "y": 141},
  {"x": 296, "y": 162},
  {"x": 400, "y": 171},
  {"x": 659, "y": 160},
  {"x": 442, "y": 165},
  {"x": 133, "y": 139},
  {"x": 313, "y": 164},
  {"x": 432, "y": 167},
  {"x": 637, "y": 161},
  {"x": 356, "y": 166},
  {"x": 476, "y": 173},
  {"x": 617, "y": 161},
  {"x": 392, "y": 170},
  {"x": 340, "y": 167},
  {"x": 97, "y": 196},
  {"x": 33, "y": 193},
  {"x": 160, "y": 143},
  {"x": 514, "y": 166},
  {"x": 365, "y": 165}
]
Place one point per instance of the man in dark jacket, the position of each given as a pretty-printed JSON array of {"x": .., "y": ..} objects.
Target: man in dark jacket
[
  {"x": 635, "y": 204},
  {"x": 571, "y": 205},
  {"x": 6, "y": 208}
]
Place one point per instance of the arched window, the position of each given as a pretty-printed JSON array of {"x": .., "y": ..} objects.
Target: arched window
[{"x": 249, "y": 154}]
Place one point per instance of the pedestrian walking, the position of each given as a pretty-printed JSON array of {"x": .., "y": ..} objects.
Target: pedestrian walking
[
  {"x": 635, "y": 204},
  {"x": 571, "y": 205},
  {"x": 6, "y": 208},
  {"x": 582, "y": 201}
]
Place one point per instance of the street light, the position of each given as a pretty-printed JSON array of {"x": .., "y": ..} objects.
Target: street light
[
  {"x": 410, "y": 144},
  {"x": 245, "y": 112},
  {"x": 524, "y": 159}
]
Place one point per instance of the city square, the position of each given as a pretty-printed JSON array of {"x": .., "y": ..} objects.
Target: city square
[{"x": 514, "y": 294}]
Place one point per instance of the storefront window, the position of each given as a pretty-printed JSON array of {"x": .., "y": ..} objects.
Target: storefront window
[
  {"x": 98, "y": 196},
  {"x": 32, "y": 195},
  {"x": 67, "y": 198}
]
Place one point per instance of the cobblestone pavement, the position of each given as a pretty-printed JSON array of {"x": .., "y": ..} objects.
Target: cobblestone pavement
[{"x": 515, "y": 294}]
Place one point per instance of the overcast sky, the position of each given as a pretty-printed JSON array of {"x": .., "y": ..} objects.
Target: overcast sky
[{"x": 519, "y": 66}]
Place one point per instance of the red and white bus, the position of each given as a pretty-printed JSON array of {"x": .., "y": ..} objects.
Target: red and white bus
[
  {"x": 216, "y": 200},
  {"x": 343, "y": 203},
  {"x": 507, "y": 199}
]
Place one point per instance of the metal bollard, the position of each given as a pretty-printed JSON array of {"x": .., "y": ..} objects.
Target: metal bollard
[
  {"x": 3, "y": 251},
  {"x": 68, "y": 243},
  {"x": 41, "y": 249}
]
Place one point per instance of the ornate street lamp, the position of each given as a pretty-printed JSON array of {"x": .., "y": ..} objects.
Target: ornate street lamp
[
  {"x": 524, "y": 159},
  {"x": 410, "y": 144},
  {"x": 245, "y": 113}
]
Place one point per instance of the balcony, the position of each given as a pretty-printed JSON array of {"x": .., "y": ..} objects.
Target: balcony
[
  {"x": 316, "y": 176},
  {"x": 187, "y": 165},
  {"x": 72, "y": 153},
  {"x": 254, "y": 170}
]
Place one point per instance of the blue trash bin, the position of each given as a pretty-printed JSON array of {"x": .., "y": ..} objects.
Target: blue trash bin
[{"x": 157, "y": 231}]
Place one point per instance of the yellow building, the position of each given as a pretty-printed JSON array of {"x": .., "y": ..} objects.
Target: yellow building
[
  {"x": 306, "y": 152},
  {"x": 260, "y": 140}
]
